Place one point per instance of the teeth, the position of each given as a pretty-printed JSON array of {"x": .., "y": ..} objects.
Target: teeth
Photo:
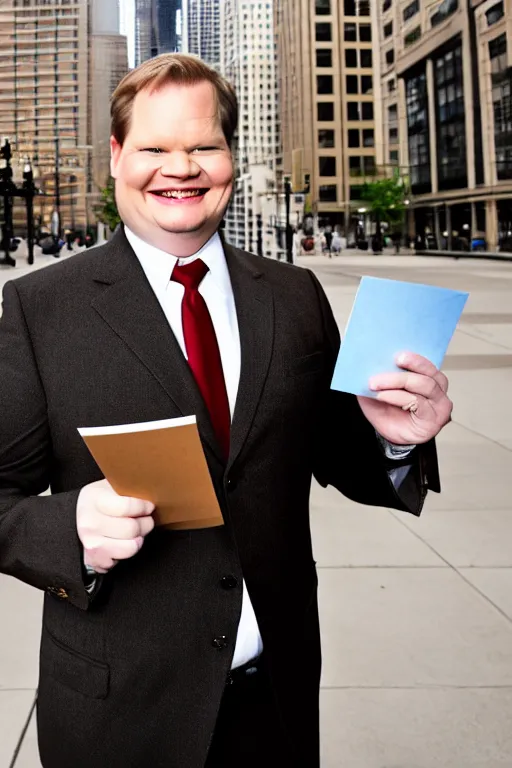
[{"x": 181, "y": 193}]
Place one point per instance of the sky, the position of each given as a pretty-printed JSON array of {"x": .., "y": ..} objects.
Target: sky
[{"x": 127, "y": 17}]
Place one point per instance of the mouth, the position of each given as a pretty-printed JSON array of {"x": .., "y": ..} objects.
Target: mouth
[{"x": 179, "y": 194}]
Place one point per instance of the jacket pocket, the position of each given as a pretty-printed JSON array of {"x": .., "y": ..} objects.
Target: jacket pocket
[
  {"x": 308, "y": 364},
  {"x": 73, "y": 669}
]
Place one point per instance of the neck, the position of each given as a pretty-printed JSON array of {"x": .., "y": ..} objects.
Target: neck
[{"x": 180, "y": 245}]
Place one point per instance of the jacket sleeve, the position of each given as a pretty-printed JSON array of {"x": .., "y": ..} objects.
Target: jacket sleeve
[
  {"x": 347, "y": 452},
  {"x": 39, "y": 542}
]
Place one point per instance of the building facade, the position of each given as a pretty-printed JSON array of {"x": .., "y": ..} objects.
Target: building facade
[
  {"x": 157, "y": 28},
  {"x": 248, "y": 61},
  {"x": 201, "y": 30},
  {"x": 446, "y": 85},
  {"x": 56, "y": 78},
  {"x": 330, "y": 102}
]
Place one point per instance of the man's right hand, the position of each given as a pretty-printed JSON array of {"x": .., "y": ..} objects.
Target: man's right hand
[{"x": 111, "y": 527}]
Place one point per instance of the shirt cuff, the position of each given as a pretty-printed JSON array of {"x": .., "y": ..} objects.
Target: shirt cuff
[
  {"x": 90, "y": 579},
  {"x": 392, "y": 450}
]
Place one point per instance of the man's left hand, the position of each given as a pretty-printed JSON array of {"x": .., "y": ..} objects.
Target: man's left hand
[{"x": 411, "y": 406}]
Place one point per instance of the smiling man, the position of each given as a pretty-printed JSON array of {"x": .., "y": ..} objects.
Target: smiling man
[{"x": 186, "y": 649}]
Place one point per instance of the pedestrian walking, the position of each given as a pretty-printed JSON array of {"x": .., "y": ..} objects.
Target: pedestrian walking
[{"x": 196, "y": 648}]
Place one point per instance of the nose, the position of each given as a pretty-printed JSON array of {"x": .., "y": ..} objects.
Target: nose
[{"x": 179, "y": 165}]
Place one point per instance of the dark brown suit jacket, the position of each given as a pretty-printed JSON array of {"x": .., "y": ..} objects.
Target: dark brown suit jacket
[{"x": 133, "y": 677}]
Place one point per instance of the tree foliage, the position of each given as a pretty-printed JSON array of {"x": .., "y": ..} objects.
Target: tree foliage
[
  {"x": 108, "y": 213},
  {"x": 385, "y": 198}
]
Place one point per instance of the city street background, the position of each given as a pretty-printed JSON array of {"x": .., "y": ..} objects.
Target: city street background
[{"x": 416, "y": 615}]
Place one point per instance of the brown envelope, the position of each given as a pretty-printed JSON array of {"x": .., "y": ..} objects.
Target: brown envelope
[{"x": 164, "y": 465}]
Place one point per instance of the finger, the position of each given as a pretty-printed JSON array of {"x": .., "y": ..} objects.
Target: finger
[
  {"x": 416, "y": 363},
  {"x": 403, "y": 399},
  {"x": 411, "y": 382},
  {"x": 113, "y": 505},
  {"x": 442, "y": 380},
  {"x": 124, "y": 527},
  {"x": 101, "y": 548}
]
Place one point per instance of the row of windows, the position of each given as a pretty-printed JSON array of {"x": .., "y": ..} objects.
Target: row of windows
[
  {"x": 323, "y": 32},
  {"x": 328, "y": 193},
  {"x": 354, "y": 84},
  {"x": 359, "y": 110}
]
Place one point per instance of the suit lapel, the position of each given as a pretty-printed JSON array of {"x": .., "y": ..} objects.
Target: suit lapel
[
  {"x": 132, "y": 311},
  {"x": 255, "y": 312}
]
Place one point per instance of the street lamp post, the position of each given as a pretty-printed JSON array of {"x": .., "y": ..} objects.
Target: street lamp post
[
  {"x": 8, "y": 190},
  {"x": 289, "y": 230}
]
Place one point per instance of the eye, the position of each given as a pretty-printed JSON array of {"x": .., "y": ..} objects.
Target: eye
[
  {"x": 153, "y": 150},
  {"x": 205, "y": 149}
]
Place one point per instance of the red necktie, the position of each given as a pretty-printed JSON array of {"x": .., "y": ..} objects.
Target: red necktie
[{"x": 203, "y": 350}]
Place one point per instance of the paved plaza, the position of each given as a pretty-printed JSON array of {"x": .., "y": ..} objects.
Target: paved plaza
[{"x": 416, "y": 614}]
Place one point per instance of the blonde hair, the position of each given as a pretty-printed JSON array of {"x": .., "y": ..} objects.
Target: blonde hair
[{"x": 178, "y": 68}]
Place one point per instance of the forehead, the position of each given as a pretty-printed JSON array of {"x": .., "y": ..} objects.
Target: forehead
[{"x": 176, "y": 109}]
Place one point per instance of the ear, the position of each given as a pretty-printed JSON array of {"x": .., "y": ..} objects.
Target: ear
[{"x": 115, "y": 154}]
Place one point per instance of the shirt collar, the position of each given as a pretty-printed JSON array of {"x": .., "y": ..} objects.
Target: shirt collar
[{"x": 160, "y": 264}]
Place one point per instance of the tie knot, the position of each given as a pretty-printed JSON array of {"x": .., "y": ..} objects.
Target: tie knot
[{"x": 190, "y": 275}]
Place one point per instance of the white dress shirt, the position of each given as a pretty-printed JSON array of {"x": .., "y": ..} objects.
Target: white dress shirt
[{"x": 216, "y": 290}]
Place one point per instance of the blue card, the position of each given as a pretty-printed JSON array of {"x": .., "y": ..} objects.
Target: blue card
[{"x": 388, "y": 317}]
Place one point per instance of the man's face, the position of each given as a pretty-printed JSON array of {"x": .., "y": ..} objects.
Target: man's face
[{"x": 174, "y": 172}]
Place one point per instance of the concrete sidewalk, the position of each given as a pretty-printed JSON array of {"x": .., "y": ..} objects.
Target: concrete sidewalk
[{"x": 416, "y": 614}]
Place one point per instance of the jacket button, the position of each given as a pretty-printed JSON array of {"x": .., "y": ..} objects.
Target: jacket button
[
  {"x": 220, "y": 642},
  {"x": 228, "y": 582}
]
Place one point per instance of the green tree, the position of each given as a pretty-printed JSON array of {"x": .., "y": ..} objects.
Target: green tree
[
  {"x": 108, "y": 213},
  {"x": 385, "y": 198}
]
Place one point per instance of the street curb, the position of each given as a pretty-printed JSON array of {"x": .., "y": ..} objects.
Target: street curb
[{"x": 465, "y": 255}]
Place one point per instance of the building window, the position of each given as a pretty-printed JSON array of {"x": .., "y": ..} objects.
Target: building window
[
  {"x": 450, "y": 119},
  {"x": 327, "y": 166},
  {"x": 393, "y": 135},
  {"x": 349, "y": 7},
  {"x": 414, "y": 35},
  {"x": 325, "y": 139},
  {"x": 363, "y": 7},
  {"x": 352, "y": 86},
  {"x": 350, "y": 32},
  {"x": 418, "y": 132},
  {"x": 388, "y": 29},
  {"x": 325, "y": 111},
  {"x": 328, "y": 193},
  {"x": 324, "y": 57},
  {"x": 323, "y": 32},
  {"x": 353, "y": 110},
  {"x": 366, "y": 58},
  {"x": 322, "y": 7},
  {"x": 369, "y": 167},
  {"x": 351, "y": 58},
  {"x": 498, "y": 54},
  {"x": 501, "y": 79},
  {"x": 393, "y": 157},
  {"x": 391, "y": 85},
  {"x": 354, "y": 165},
  {"x": 445, "y": 10},
  {"x": 355, "y": 192},
  {"x": 367, "y": 110},
  {"x": 353, "y": 138},
  {"x": 366, "y": 84},
  {"x": 411, "y": 10},
  {"x": 365, "y": 33},
  {"x": 386, "y": 5},
  {"x": 324, "y": 84},
  {"x": 495, "y": 13},
  {"x": 368, "y": 137},
  {"x": 390, "y": 56}
]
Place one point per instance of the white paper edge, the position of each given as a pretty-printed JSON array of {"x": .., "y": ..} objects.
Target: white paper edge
[{"x": 144, "y": 426}]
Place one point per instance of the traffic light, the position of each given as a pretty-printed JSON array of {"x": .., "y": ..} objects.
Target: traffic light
[{"x": 307, "y": 180}]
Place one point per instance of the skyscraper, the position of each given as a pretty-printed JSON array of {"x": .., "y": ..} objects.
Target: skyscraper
[
  {"x": 201, "y": 30},
  {"x": 447, "y": 92},
  {"x": 157, "y": 28},
  {"x": 330, "y": 99},
  {"x": 248, "y": 61},
  {"x": 49, "y": 108}
]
